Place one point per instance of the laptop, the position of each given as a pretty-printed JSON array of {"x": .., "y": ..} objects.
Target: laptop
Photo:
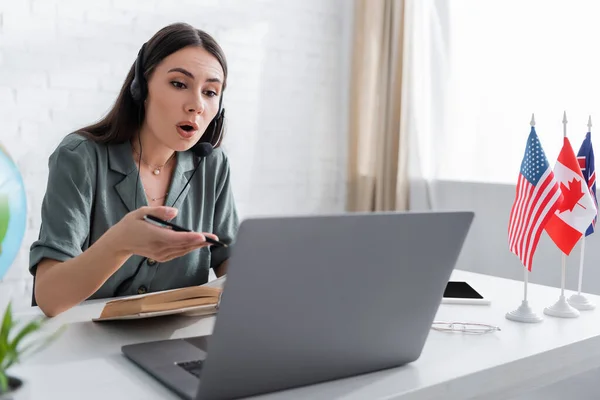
[{"x": 310, "y": 299}]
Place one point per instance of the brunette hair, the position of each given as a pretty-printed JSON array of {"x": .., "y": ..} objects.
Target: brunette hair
[{"x": 125, "y": 117}]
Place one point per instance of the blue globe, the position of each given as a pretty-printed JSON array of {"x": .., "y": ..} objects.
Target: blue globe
[{"x": 13, "y": 211}]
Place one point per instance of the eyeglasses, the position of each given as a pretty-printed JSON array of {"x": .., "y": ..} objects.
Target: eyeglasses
[{"x": 463, "y": 327}]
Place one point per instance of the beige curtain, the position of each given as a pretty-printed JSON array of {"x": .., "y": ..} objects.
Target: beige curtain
[{"x": 377, "y": 167}]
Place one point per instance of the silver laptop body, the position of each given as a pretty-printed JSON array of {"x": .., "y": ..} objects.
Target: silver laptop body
[{"x": 310, "y": 299}]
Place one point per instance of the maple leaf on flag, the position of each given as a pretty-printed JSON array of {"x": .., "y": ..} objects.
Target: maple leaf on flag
[{"x": 571, "y": 195}]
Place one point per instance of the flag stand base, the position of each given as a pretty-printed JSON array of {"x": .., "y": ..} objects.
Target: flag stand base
[
  {"x": 561, "y": 309},
  {"x": 524, "y": 314},
  {"x": 581, "y": 302}
]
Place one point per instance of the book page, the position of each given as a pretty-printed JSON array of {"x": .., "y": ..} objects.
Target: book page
[{"x": 217, "y": 283}]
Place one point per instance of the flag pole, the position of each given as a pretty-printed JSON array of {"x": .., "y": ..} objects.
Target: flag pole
[
  {"x": 524, "y": 313},
  {"x": 526, "y": 272},
  {"x": 581, "y": 266},
  {"x": 562, "y": 275},
  {"x": 562, "y": 308},
  {"x": 578, "y": 300},
  {"x": 563, "y": 257}
]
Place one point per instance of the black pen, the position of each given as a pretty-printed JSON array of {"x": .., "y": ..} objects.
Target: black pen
[{"x": 169, "y": 225}]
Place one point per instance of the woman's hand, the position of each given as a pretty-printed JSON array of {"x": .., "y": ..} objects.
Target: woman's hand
[{"x": 133, "y": 235}]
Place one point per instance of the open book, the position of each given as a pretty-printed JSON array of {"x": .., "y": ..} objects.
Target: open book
[{"x": 194, "y": 300}]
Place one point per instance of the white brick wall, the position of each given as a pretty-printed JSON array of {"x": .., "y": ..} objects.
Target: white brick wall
[{"x": 63, "y": 61}]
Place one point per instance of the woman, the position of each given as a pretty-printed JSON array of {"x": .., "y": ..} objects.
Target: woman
[{"x": 149, "y": 152}]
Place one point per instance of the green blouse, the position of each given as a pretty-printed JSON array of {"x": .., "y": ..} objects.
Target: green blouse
[{"x": 91, "y": 186}]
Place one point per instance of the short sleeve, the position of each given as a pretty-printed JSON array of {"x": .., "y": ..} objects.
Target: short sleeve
[
  {"x": 67, "y": 204},
  {"x": 226, "y": 220}
]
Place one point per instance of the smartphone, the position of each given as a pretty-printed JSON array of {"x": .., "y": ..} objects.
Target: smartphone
[
  {"x": 459, "y": 292},
  {"x": 169, "y": 225}
]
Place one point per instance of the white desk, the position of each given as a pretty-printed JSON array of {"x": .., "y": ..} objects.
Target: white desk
[{"x": 86, "y": 362}]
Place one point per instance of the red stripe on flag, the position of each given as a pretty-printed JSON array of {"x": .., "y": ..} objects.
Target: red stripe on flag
[
  {"x": 555, "y": 195},
  {"x": 528, "y": 190},
  {"x": 540, "y": 207},
  {"x": 568, "y": 161},
  {"x": 563, "y": 234},
  {"x": 517, "y": 209},
  {"x": 525, "y": 190},
  {"x": 581, "y": 160},
  {"x": 533, "y": 206}
]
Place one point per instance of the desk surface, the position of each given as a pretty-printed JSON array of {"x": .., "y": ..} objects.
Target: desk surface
[{"x": 87, "y": 358}]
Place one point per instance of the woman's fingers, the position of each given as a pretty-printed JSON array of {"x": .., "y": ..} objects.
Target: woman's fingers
[
  {"x": 167, "y": 244},
  {"x": 174, "y": 253},
  {"x": 211, "y": 235},
  {"x": 173, "y": 238},
  {"x": 162, "y": 212},
  {"x": 176, "y": 244},
  {"x": 182, "y": 250}
]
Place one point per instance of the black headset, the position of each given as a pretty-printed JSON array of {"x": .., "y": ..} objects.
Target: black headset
[{"x": 139, "y": 92}]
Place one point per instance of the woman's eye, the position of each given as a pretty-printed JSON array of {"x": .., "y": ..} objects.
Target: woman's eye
[
  {"x": 178, "y": 85},
  {"x": 210, "y": 93}
]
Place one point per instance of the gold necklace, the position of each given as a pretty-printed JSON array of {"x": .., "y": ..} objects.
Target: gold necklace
[
  {"x": 157, "y": 198},
  {"x": 153, "y": 198},
  {"x": 155, "y": 169}
]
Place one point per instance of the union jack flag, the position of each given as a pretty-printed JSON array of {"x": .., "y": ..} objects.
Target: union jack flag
[{"x": 585, "y": 157}]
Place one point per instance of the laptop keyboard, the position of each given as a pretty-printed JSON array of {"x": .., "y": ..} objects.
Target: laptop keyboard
[{"x": 193, "y": 367}]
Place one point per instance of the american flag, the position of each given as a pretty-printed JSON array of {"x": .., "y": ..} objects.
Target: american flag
[
  {"x": 537, "y": 198},
  {"x": 585, "y": 156}
]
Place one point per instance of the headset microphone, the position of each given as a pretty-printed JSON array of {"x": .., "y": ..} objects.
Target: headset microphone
[{"x": 202, "y": 149}]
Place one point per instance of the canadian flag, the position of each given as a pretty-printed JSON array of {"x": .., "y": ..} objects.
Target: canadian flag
[{"x": 577, "y": 210}]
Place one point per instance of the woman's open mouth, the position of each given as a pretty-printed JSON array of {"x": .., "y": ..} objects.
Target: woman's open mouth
[{"x": 186, "y": 131}]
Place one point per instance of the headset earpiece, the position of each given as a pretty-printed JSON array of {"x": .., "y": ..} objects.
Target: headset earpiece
[
  {"x": 219, "y": 128},
  {"x": 215, "y": 129},
  {"x": 138, "y": 84}
]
